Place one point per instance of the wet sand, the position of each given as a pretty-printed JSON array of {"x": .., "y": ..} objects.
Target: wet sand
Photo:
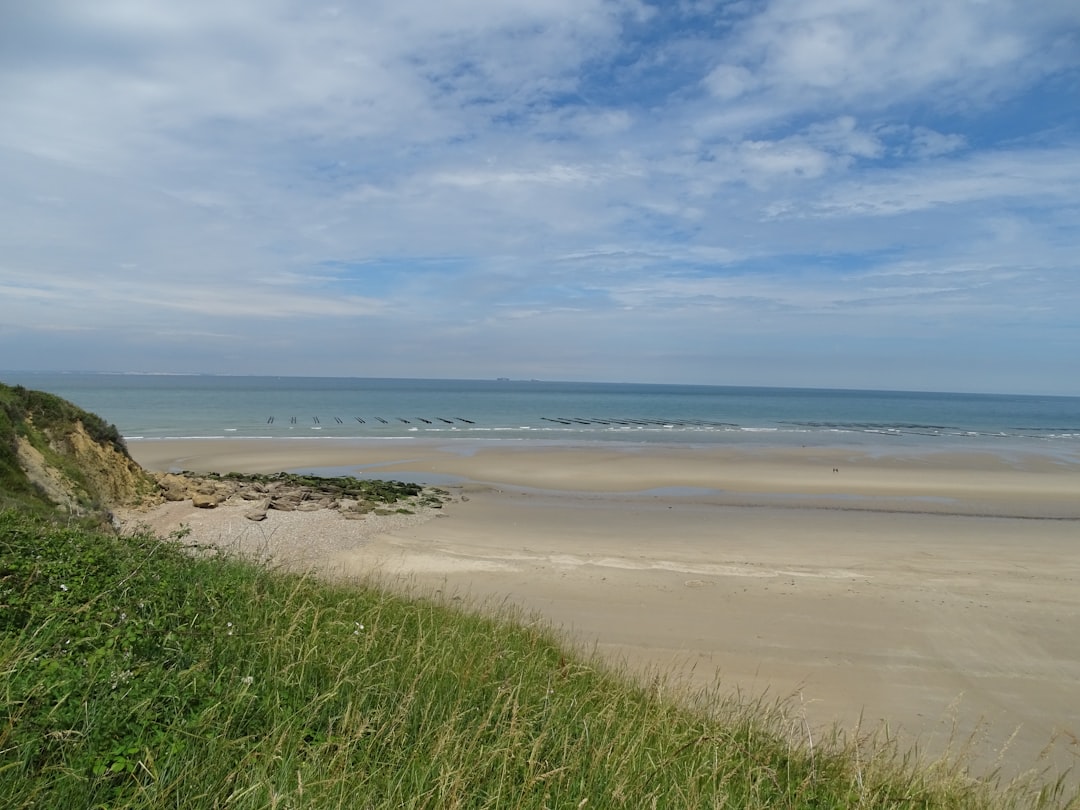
[{"x": 937, "y": 592}]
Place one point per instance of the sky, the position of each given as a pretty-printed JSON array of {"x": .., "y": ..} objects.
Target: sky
[{"x": 823, "y": 193}]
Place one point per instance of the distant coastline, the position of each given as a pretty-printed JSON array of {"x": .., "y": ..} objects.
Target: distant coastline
[{"x": 15, "y": 374}]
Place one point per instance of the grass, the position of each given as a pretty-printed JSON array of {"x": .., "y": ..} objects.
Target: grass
[
  {"x": 33, "y": 415},
  {"x": 137, "y": 674}
]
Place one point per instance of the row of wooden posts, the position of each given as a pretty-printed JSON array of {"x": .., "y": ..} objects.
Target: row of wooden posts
[
  {"x": 293, "y": 420},
  {"x": 561, "y": 420}
]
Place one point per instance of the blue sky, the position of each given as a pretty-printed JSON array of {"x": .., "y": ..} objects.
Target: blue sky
[{"x": 835, "y": 193}]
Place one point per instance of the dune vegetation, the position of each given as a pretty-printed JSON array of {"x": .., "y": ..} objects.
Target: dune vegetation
[{"x": 140, "y": 673}]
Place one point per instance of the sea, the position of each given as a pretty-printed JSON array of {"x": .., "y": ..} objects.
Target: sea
[{"x": 149, "y": 407}]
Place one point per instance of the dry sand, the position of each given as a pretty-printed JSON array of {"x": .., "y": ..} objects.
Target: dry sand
[{"x": 939, "y": 593}]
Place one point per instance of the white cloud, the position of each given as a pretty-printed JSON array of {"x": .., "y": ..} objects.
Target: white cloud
[
  {"x": 1044, "y": 177},
  {"x": 807, "y": 55},
  {"x": 728, "y": 82},
  {"x": 790, "y": 157},
  {"x": 427, "y": 171},
  {"x": 842, "y": 135},
  {"x": 928, "y": 143},
  {"x": 554, "y": 175}
]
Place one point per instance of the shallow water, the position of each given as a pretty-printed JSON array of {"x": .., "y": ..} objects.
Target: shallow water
[{"x": 150, "y": 407}]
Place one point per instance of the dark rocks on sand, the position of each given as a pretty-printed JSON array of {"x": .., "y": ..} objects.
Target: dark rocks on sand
[{"x": 283, "y": 492}]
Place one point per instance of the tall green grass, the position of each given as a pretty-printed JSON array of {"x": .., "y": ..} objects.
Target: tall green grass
[{"x": 135, "y": 674}]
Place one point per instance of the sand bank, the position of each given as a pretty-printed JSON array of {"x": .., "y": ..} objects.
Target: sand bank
[{"x": 937, "y": 592}]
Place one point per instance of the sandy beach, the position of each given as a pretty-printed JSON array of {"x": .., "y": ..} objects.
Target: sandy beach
[{"x": 936, "y": 592}]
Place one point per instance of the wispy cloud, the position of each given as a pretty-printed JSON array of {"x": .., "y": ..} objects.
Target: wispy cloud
[
  {"x": 1038, "y": 177},
  {"x": 605, "y": 189}
]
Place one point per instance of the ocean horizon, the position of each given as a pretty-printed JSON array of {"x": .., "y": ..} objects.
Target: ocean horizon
[
  {"x": 35, "y": 373},
  {"x": 150, "y": 406}
]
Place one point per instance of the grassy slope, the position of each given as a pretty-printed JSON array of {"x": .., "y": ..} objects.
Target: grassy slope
[
  {"x": 134, "y": 675},
  {"x": 15, "y": 489},
  {"x": 27, "y": 413}
]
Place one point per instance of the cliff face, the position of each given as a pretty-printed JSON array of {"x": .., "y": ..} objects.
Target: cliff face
[
  {"x": 102, "y": 473},
  {"x": 56, "y": 455}
]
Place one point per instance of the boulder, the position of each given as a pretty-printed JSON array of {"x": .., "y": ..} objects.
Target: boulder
[
  {"x": 226, "y": 489},
  {"x": 205, "y": 500},
  {"x": 175, "y": 493},
  {"x": 175, "y": 487}
]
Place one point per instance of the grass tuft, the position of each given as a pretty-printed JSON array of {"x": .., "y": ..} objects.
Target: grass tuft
[{"x": 134, "y": 674}]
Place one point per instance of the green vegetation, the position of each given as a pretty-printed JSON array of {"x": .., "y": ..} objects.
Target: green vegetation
[
  {"x": 48, "y": 411},
  {"x": 138, "y": 674},
  {"x": 38, "y": 417}
]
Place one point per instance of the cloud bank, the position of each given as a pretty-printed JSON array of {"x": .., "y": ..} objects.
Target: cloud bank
[{"x": 782, "y": 192}]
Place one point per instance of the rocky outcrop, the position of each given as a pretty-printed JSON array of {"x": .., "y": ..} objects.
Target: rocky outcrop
[
  {"x": 111, "y": 476},
  {"x": 351, "y": 498},
  {"x": 80, "y": 475},
  {"x": 53, "y": 484},
  {"x": 54, "y": 455}
]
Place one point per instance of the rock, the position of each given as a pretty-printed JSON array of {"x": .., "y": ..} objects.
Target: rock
[
  {"x": 175, "y": 493},
  {"x": 108, "y": 472},
  {"x": 205, "y": 500},
  {"x": 226, "y": 489},
  {"x": 259, "y": 511},
  {"x": 175, "y": 487},
  {"x": 358, "y": 508},
  {"x": 289, "y": 494}
]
